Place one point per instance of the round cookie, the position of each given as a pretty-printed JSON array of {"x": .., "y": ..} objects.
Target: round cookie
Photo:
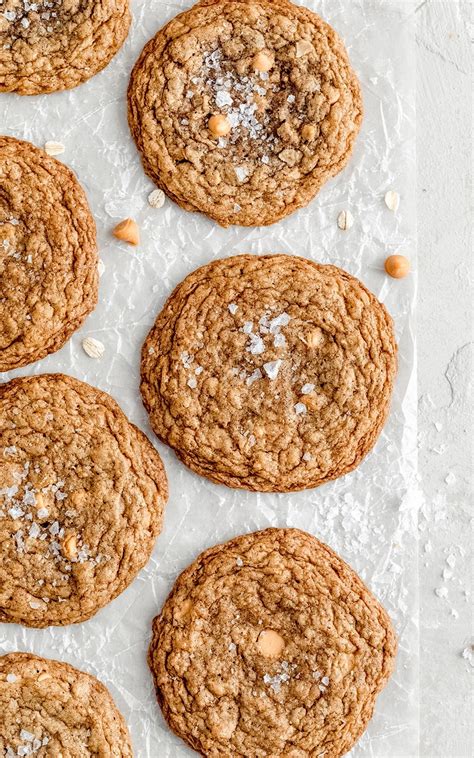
[
  {"x": 82, "y": 494},
  {"x": 270, "y": 373},
  {"x": 48, "y": 254},
  {"x": 243, "y": 109},
  {"x": 53, "y": 45},
  {"x": 50, "y": 709},
  {"x": 270, "y": 645}
]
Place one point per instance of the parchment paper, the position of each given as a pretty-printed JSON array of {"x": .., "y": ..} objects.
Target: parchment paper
[{"x": 369, "y": 516}]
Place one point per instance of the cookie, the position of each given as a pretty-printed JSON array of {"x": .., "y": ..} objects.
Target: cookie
[
  {"x": 271, "y": 373},
  {"x": 51, "y": 45},
  {"x": 48, "y": 254},
  {"x": 82, "y": 494},
  {"x": 50, "y": 709},
  {"x": 270, "y": 645},
  {"x": 243, "y": 110}
]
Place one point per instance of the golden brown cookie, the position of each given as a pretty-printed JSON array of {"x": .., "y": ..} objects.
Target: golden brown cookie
[
  {"x": 270, "y": 645},
  {"x": 50, "y": 709},
  {"x": 82, "y": 494},
  {"x": 48, "y": 254},
  {"x": 52, "y": 45},
  {"x": 271, "y": 373},
  {"x": 243, "y": 109}
]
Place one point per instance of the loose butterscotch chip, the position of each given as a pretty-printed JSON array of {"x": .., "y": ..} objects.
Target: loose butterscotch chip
[
  {"x": 397, "y": 266},
  {"x": 51, "y": 708},
  {"x": 127, "y": 231},
  {"x": 285, "y": 656}
]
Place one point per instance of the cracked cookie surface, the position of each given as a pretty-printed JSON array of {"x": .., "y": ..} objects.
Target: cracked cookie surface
[
  {"x": 48, "y": 254},
  {"x": 51, "y": 709},
  {"x": 288, "y": 105},
  {"x": 270, "y": 645},
  {"x": 82, "y": 494},
  {"x": 52, "y": 45},
  {"x": 270, "y": 373}
]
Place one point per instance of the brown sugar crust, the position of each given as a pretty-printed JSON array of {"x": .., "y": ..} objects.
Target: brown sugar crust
[
  {"x": 48, "y": 254},
  {"x": 52, "y": 709},
  {"x": 270, "y": 373},
  {"x": 82, "y": 494},
  {"x": 218, "y": 684},
  {"x": 52, "y": 45},
  {"x": 293, "y": 127}
]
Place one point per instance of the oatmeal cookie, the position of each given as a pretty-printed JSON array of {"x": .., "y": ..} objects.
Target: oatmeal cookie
[
  {"x": 270, "y": 645},
  {"x": 50, "y": 709},
  {"x": 243, "y": 109},
  {"x": 271, "y": 373},
  {"x": 48, "y": 254},
  {"x": 82, "y": 494},
  {"x": 52, "y": 45}
]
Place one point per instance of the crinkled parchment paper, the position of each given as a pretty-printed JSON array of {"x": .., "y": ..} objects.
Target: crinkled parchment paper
[{"x": 369, "y": 516}]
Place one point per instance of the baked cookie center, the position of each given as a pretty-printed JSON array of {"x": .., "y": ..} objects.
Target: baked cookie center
[
  {"x": 271, "y": 372},
  {"x": 243, "y": 110},
  {"x": 52, "y": 45},
  {"x": 270, "y": 645},
  {"x": 81, "y": 501}
]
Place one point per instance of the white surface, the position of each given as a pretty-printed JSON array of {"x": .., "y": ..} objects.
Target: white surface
[
  {"x": 367, "y": 516},
  {"x": 443, "y": 147},
  {"x": 445, "y": 362}
]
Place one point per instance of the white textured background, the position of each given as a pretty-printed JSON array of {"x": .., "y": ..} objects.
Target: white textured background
[
  {"x": 445, "y": 270},
  {"x": 444, "y": 344}
]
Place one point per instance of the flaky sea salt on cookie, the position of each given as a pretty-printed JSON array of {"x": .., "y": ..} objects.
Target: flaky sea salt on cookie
[
  {"x": 271, "y": 373},
  {"x": 270, "y": 645},
  {"x": 243, "y": 110},
  {"x": 82, "y": 494},
  {"x": 50, "y": 709},
  {"x": 52, "y": 45},
  {"x": 48, "y": 254}
]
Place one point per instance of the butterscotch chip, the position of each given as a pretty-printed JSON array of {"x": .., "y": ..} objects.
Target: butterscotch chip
[
  {"x": 262, "y": 61},
  {"x": 127, "y": 231},
  {"x": 69, "y": 547},
  {"x": 48, "y": 254},
  {"x": 219, "y": 125},
  {"x": 53, "y": 709},
  {"x": 313, "y": 697},
  {"x": 256, "y": 361},
  {"x": 397, "y": 266},
  {"x": 268, "y": 68},
  {"x": 270, "y": 643},
  {"x": 81, "y": 504},
  {"x": 51, "y": 45}
]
